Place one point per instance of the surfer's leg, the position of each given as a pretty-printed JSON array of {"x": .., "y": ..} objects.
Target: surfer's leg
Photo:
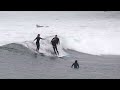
[
  {"x": 54, "y": 49},
  {"x": 38, "y": 46}
]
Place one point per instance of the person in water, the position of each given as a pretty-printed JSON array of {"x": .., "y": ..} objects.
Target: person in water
[
  {"x": 55, "y": 41},
  {"x": 75, "y": 64},
  {"x": 38, "y": 42}
]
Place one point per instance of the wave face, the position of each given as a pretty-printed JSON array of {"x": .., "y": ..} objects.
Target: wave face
[
  {"x": 45, "y": 47},
  {"x": 29, "y": 48},
  {"x": 89, "y": 32}
]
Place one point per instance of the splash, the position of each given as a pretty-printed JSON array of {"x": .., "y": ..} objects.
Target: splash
[{"x": 45, "y": 47}]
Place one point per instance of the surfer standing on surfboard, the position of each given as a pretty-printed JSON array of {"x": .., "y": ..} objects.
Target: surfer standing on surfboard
[
  {"x": 38, "y": 42},
  {"x": 55, "y": 41}
]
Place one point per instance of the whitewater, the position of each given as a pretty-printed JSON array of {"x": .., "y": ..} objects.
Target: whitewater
[{"x": 92, "y": 32}]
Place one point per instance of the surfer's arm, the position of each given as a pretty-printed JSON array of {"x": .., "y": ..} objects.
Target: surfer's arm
[
  {"x": 52, "y": 39},
  {"x": 34, "y": 39},
  {"x": 42, "y": 38}
]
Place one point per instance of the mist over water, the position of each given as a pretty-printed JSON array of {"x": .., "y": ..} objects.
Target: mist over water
[{"x": 89, "y": 32}]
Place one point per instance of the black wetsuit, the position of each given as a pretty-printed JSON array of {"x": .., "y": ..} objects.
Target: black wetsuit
[
  {"x": 76, "y": 65},
  {"x": 38, "y": 42},
  {"x": 54, "y": 42}
]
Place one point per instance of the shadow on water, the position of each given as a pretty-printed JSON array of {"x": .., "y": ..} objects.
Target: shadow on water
[
  {"x": 35, "y": 55},
  {"x": 53, "y": 58}
]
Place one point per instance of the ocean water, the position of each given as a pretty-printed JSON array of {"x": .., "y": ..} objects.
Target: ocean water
[{"x": 93, "y": 32}]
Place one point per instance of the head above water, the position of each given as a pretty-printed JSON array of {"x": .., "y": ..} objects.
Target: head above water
[
  {"x": 75, "y": 61},
  {"x": 38, "y": 35},
  {"x": 55, "y": 35}
]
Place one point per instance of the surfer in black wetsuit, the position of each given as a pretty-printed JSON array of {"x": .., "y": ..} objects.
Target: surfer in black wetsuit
[
  {"x": 75, "y": 64},
  {"x": 55, "y": 41},
  {"x": 38, "y": 42}
]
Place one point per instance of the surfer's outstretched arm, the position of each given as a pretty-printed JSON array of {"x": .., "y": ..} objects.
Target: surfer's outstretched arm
[
  {"x": 42, "y": 38},
  {"x": 34, "y": 39}
]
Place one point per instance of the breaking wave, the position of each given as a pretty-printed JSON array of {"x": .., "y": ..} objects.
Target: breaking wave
[{"x": 45, "y": 47}]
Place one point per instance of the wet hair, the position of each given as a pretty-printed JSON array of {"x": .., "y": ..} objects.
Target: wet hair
[
  {"x": 38, "y": 35},
  {"x": 55, "y": 35},
  {"x": 75, "y": 61}
]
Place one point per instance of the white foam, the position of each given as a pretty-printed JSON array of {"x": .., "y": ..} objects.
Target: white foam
[{"x": 45, "y": 47}]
